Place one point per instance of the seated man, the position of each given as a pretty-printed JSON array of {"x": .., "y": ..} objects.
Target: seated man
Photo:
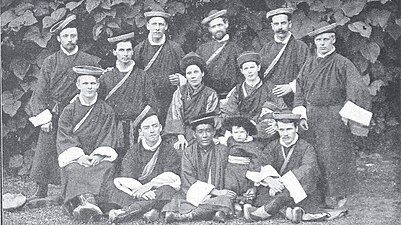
[
  {"x": 85, "y": 144},
  {"x": 148, "y": 178},
  {"x": 202, "y": 175},
  {"x": 285, "y": 160}
]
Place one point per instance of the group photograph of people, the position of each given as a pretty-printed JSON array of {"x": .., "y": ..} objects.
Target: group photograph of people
[{"x": 217, "y": 134}]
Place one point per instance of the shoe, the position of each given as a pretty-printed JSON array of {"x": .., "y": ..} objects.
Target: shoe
[
  {"x": 248, "y": 209},
  {"x": 177, "y": 217},
  {"x": 122, "y": 216},
  {"x": 220, "y": 217},
  {"x": 41, "y": 192},
  {"x": 295, "y": 214},
  {"x": 341, "y": 201},
  {"x": 151, "y": 216},
  {"x": 87, "y": 208},
  {"x": 238, "y": 211}
]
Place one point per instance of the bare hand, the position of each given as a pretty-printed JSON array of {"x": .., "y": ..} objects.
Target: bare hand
[
  {"x": 47, "y": 127},
  {"x": 272, "y": 128},
  {"x": 182, "y": 143},
  {"x": 281, "y": 90},
  {"x": 138, "y": 192},
  {"x": 304, "y": 124},
  {"x": 250, "y": 193},
  {"x": 228, "y": 193},
  {"x": 150, "y": 195},
  {"x": 174, "y": 79},
  {"x": 96, "y": 159},
  {"x": 84, "y": 161},
  {"x": 275, "y": 184}
]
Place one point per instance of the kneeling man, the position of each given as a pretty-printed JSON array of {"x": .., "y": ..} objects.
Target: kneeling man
[
  {"x": 85, "y": 144},
  {"x": 148, "y": 178}
]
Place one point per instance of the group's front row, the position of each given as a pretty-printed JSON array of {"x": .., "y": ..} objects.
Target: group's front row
[{"x": 211, "y": 180}]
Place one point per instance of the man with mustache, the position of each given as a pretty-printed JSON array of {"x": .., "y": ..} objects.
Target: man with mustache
[
  {"x": 220, "y": 55},
  {"x": 54, "y": 90},
  {"x": 283, "y": 57},
  {"x": 160, "y": 58}
]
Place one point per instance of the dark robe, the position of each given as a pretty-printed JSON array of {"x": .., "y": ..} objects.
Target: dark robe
[
  {"x": 55, "y": 87},
  {"x": 166, "y": 63},
  {"x": 289, "y": 64},
  {"x": 303, "y": 163},
  {"x": 324, "y": 85},
  {"x": 98, "y": 130},
  {"x": 134, "y": 163},
  {"x": 222, "y": 72},
  {"x": 128, "y": 101}
]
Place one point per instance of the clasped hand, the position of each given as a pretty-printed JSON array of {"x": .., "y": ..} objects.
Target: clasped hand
[
  {"x": 88, "y": 161},
  {"x": 145, "y": 191}
]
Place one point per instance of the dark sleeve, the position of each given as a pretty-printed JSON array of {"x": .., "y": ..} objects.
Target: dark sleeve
[
  {"x": 357, "y": 91},
  {"x": 267, "y": 156},
  {"x": 303, "y": 53},
  {"x": 172, "y": 161},
  {"x": 102, "y": 91},
  {"x": 108, "y": 132},
  {"x": 150, "y": 97},
  {"x": 137, "y": 56},
  {"x": 65, "y": 137},
  {"x": 299, "y": 98},
  {"x": 130, "y": 166},
  {"x": 255, "y": 150},
  {"x": 307, "y": 172},
  {"x": 188, "y": 170}
]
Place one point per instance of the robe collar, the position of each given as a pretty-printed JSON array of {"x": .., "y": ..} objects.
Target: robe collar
[
  {"x": 285, "y": 41},
  {"x": 69, "y": 53},
  {"x": 118, "y": 66},
  {"x": 291, "y": 144},
  {"x": 326, "y": 54},
  {"x": 225, "y": 38},
  {"x": 151, "y": 148},
  {"x": 81, "y": 99},
  {"x": 255, "y": 84},
  {"x": 153, "y": 43}
]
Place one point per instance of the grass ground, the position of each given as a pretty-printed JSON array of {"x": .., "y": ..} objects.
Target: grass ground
[{"x": 377, "y": 202}]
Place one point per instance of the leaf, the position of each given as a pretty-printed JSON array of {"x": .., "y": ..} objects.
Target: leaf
[
  {"x": 16, "y": 161},
  {"x": 371, "y": 51},
  {"x": 7, "y": 17},
  {"x": 375, "y": 86},
  {"x": 109, "y": 32},
  {"x": 16, "y": 24},
  {"x": 29, "y": 18},
  {"x": 99, "y": 15},
  {"x": 106, "y": 4},
  {"x": 378, "y": 17},
  {"x": 72, "y": 5},
  {"x": 340, "y": 18},
  {"x": 111, "y": 12},
  {"x": 130, "y": 12},
  {"x": 394, "y": 30},
  {"x": 175, "y": 7},
  {"x": 360, "y": 27},
  {"x": 398, "y": 22},
  {"x": 161, "y": 2},
  {"x": 301, "y": 24},
  {"x": 273, "y": 4},
  {"x": 21, "y": 8},
  {"x": 42, "y": 56},
  {"x": 40, "y": 38},
  {"x": 317, "y": 6},
  {"x": 140, "y": 21},
  {"x": 113, "y": 25},
  {"x": 9, "y": 104},
  {"x": 366, "y": 79},
  {"x": 253, "y": 20},
  {"x": 360, "y": 62},
  {"x": 56, "y": 16},
  {"x": 5, "y": 3},
  {"x": 96, "y": 31},
  {"x": 116, "y": 2},
  {"x": 41, "y": 8},
  {"x": 151, "y": 4},
  {"x": 332, "y": 4},
  {"x": 92, "y": 4},
  {"x": 20, "y": 67},
  {"x": 353, "y": 7}
]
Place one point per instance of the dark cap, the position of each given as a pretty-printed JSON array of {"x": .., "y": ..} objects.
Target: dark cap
[
  {"x": 88, "y": 70},
  {"x": 121, "y": 37},
  {"x": 192, "y": 59},
  {"x": 205, "y": 118},
  {"x": 248, "y": 56},
  {"x": 321, "y": 30},
  {"x": 240, "y": 121},
  {"x": 146, "y": 113},
  {"x": 60, "y": 25},
  {"x": 157, "y": 13},
  {"x": 213, "y": 15}
]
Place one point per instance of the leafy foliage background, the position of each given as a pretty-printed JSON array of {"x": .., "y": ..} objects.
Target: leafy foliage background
[{"x": 369, "y": 35}]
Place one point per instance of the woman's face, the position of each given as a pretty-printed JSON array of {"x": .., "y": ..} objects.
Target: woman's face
[{"x": 194, "y": 75}]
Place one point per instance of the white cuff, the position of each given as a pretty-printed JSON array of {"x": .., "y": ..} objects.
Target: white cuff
[
  {"x": 182, "y": 79},
  {"x": 199, "y": 192},
  {"x": 258, "y": 177},
  {"x": 300, "y": 110},
  {"x": 42, "y": 118},
  {"x": 167, "y": 178},
  {"x": 293, "y": 85},
  {"x": 107, "y": 151},
  {"x": 69, "y": 156}
]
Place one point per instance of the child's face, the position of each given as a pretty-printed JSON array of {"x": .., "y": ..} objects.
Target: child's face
[
  {"x": 250, "y": 70},
  {"x": 239, "y": 134}
]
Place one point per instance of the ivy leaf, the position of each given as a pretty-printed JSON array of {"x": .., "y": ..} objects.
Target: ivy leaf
[
  {"x": 340, "y": 18},
  {"x": 56, "y": 16},
  {"x": 116, "y": 2},
  {"x": 273, "y": 4},
  {"x": 317, "y": 6},
  {"x": 41, "y": 9},
  {"x": 106, "y": 4},
  {"x": 130, "y": 12},
  {"x": 7, "y": 17},
  {"x": 353, "y": 7},
  {"x": 113, "y": 25},
  {"x": 40, "y": 38},
  {"x": 162, "y": 2},
  {"x": 111, "y": 12},
  {"x": 378, "y": 17},
  {"x": 140, "y": 21},
  {"x": 371, "y": 51},
  {"x": 151, "y": 4},
  {"x": 332, "y": 4},
  {"x": 72, "y": 5},
  {"x": 366, "y": 79},
  {"x": 29, "y": 18},
  {"x": 16, "y": 161},
  {"x": 301, "y": 24},
  {"x": 21, "y": 8},
  {"x": 92, "y": 4},
  {"x": 360, "y": 62},
  {"x": 375, "y": 86},
  {"x": 96, "y": 31},
  {"x": 20, "y": 67},
  {"x": 394, "y": 30},
  {"x": 175, "y": 7},
  {"x": 360, "y": 27},
  {"x": 9, "y": 104},
  {"x": 99, "y": 15}
]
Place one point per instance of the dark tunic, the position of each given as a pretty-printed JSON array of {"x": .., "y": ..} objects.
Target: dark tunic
[
  {"x": 289, "y": 64},
  {"x": 134, "y": 163},
  {"x": 55, "y": 86},
  {"x": 128, "y": 101},
  {"x": 98, "y": 130},
  {"x": 324, "y": 85},
  {"x": 166, "y": 63},
  {"x": 303, "y": 163},
  {"x": 222, "y": 72}
]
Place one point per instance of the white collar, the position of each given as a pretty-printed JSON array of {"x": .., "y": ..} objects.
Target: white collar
[
  {"x": 225, "y": 38},
  {"x": 326, "y": 54},
  {"x": 289, "y": 145},
  {"x": 255, "y": 84},
  {"x": 151, "y": 148},
  {"x": 153, "y": 43},
  {"x": 285, "y": 41},
  {"x": 86, "y": 104},
  {"x": 69, "y": 53},
  {"x": 129, "y": 68}
]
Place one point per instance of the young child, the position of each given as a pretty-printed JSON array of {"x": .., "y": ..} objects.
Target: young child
[{"x": 243, "y": 156}]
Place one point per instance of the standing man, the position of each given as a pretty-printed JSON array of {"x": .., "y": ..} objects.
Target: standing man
[
  {"x": 282, "y": 58},
  {"x": 55, "y": 88},
  {"x": 160, "y": 58},
  {"x": 86, "y": 139},
  {"x": 325, "y": 83},
  {"x": 220, "y": 55},
  {"x": 127, "y": 89}
]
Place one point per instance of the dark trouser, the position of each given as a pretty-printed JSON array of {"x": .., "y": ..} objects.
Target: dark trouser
[{"x": 273, "y": 204}]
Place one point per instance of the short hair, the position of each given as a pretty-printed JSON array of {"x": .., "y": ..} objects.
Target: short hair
[
  {"x": 225, "y": 20},
  {"x": 289, "y": 17},
  {"x": 72, "y": 24},
  {"x": 114, "y": 44},
  {"x": 165, "y": 19},
  {"x": 295, "y": 122}
]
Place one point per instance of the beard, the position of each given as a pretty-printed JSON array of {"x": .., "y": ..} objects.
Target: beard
[{"x": 219, "y": 35}]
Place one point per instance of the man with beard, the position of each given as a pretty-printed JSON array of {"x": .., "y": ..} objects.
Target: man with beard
[
  {"x": 220, "y": 55},
  {"x": 54, "y": 90},
  {"x": 282, "y": 58},
  {"x": 127, "y": 89},
  {"x": 160, "y": 58}
]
